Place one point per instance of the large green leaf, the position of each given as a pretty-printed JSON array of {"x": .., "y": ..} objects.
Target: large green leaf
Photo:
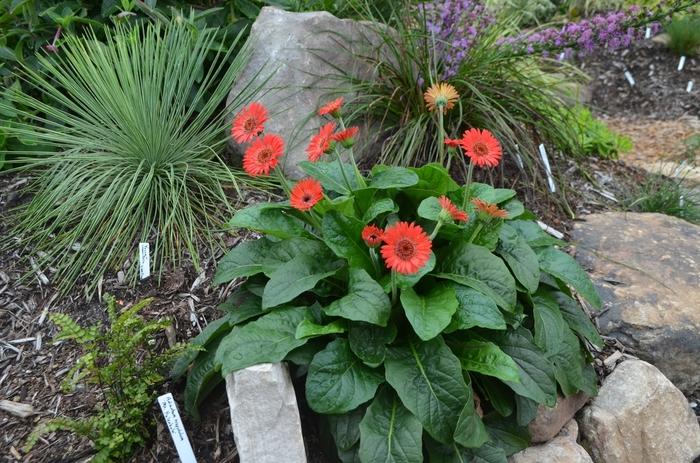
[
  {"x": 428, "y": 378},
  {"x": 269, "y": 218},
  {"x": 489, "y": 193},
  {"x": 296, "y": 276},
  {"x": 377, "y": 208},
  {"x": 393, "y": 177},
  {"x": 210, "y": 334},
  {"x": 330, "y": 175},
  {"x": 486, "y": 358},
  {"x": 564, "y": 267},
  {"x": 308, "y": 329},
  {"x": 433, "y": 180},
  {"x": 577, "y": 319},
  {"x": 507, "y": 434},
  {"x": 337, "y": 381},
  {"x": 403, "y": 281},
  {"x": 266, "y": 340},
  {"x": 536, "y": 372},
  {"x": 202, "y": 379},
  {"x": 369, "y": 341},
  {"x": 344, "y": 236},
  {"x": 431, "y": 312},
  {"x": 365, "y": 301},
  {"x": 549, "y": 324},
  {"x": 477, "y": 263},
  {"x": 242, "y": 305},
  {"x": 487, "y": 453},
  {"x": 534, "y": 235},
  {"x": 345, "y": 428},
  {"x": 520, "y": 257},
  {"x": 475, "y": 309},
  {"x": 429, "y": 208},
  {"x": 470, "y": 431},
  {"x": 389, "y": 433}
]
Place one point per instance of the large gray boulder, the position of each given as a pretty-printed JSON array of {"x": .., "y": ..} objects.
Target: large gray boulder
[
  {"x": 299, "y": 58},
  {"x": 264, "y": 415},
  {"x": 562, "y": 449},
  {"x": 549, "y": 421},
  {"x": 639, "y": 416},
  {"x": 647, "y": 269}
]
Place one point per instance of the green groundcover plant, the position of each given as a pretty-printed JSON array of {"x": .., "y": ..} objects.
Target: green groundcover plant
[{"x": 430, "y": 318}]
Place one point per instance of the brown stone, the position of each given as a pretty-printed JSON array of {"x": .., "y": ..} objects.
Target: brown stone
[
  {"x": 639, "y": 416},
  {"x": 562, "y": 449},
  {"x": 647, "y": 270},
  {"x": 549, "y": 421}
]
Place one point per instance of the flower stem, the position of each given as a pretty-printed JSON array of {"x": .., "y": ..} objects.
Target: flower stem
[
  {"x": 375, "y": 261},
  {"x": 283, "y": 181},
  {"x": 436, "y": 230},
  {"x": 360, "y": 179},
  {"x": 476, "y": 232},
  {"x": 441, "y": 136},
  {"x": 394, "y": 287},
  {"x": 342, "y": 169},
  {"x": 468, "y": 185}
]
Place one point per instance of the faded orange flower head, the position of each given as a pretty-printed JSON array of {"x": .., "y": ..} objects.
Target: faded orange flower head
[
  {"x": 440, "y": 95},
  {"x": 490, "y": 209},
  {"x": 305, "y": 194},
  {"x": 249, "y": 123},
  {"x": 346, "y": 137},
  {"x": 320, "y": 143},
  {"x": 332, "y": 107},
  {"x": 481, "y": 147},
  {"x": 407, "y": 248},
  {"x": 457, "y": 214},
  {"x": 263, "y": 155},
  {"x": 372, "y": 235}
]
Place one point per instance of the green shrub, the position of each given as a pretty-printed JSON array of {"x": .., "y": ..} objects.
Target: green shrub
[
  {"x": 668, "y": 195},
  {"x": 132, "y": 134},
  {"x": 123, "y": 363},
  {"x": 397, "y": 342},
  {"x": 596, "y": 138},
  {"x": 684, "y": 35}
]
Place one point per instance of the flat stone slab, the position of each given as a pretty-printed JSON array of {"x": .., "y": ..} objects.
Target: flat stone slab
[
  {"x": 264, "y": 415},
  {"x": 647, "y": 269}
]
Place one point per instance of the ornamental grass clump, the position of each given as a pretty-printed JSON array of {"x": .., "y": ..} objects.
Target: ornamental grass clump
[
  {"x": 430, "y": 319},
  {"x": 127, "y": 134}
]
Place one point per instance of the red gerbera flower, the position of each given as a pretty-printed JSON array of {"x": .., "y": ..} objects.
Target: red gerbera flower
[
  {"x": 481, "y": 147},
  {"x": 249, "y": 123},
  {"x": 489, "y": 209},
  {"x": 263, "y": 155},
  {"x": 305, "y": 194},
  {"x": 457, "y": 214},
  {"x": 332, "y": 107},
  {"x": 346, "y": 137},
  {"x": 321, "y": 142},
  {"x": 453, "y": 142},
  {"x": 407, "y": 247},
  {"x": 372, "y": 235}
]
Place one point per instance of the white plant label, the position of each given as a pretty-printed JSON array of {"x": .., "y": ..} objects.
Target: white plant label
[
  {"x": 689, "y": 88},
  {"x": 681, "y": 201},
  {"x": 144, "y": 260},
  {"x": 647, "y": 33},
  {"x": 547, "y": 168},
  {"x": 518, "y": 158},
  {"x": 562, "y": 56},
  {"x": 681, "y": 63},
  {"x": 629, "y": 78},
  {"x": 176, "y": 428}
]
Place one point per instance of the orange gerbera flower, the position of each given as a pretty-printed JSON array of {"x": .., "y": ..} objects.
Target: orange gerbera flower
[
  {"x": 407, "y": 247},
  {"x": 263, "y": 155},
  {"x": 346, "y": 137},
  {"x": 457, "y": 214},
  {"x": 489, "y": 209},
  {"x": 481, "y": 147},
  {"x": 249, "y": 123},
  {"x": 441, "y": 96},
  {"x": 372, "y": 235},
  {"x": 453, "y": 142},
  {"x": 320, "y": 143},
  {"x": 305, "y": 194},
  {"x": 332, "y": 107}
]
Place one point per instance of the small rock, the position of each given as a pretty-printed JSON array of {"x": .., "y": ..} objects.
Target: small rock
[
  {"x": 549, "y": 421},
  {"x": 264, "y": 415},
  {"x": 17, "y": 408},
  {"x": 639, "y": 416},
  {"x": 561, "y": 449},
  {"x": 647, "y": 270}
]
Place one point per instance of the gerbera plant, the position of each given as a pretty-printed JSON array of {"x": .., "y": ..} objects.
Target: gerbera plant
[
  {"x": 127, "y": 135},
  {"x": 430, "y": 319}
]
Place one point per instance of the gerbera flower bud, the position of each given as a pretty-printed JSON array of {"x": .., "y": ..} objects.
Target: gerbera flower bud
[
  {"x": 346, "y": 137},
  {"x": 305, "y": 194},
  {"x": 332, "y": 108},
  {"x": 321, "y": 143},
  {"x": 440, "y": 96},
  {"x": 372, "y": 235},
  {"x": 263, "y": 155},
  {"x": 451, "y": 211},
  {"x": 407, "y": 248},
  {"x": 481, "y": 147},
  {"x": 489, "y": 210},
  {"x": 249, "y": 123}
]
